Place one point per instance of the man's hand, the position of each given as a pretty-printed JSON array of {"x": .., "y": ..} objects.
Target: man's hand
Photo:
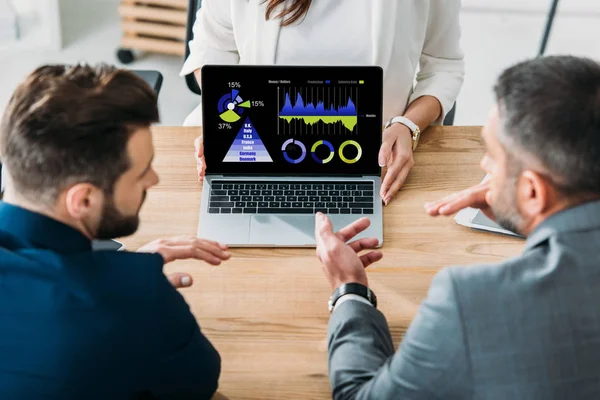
[
  {"x": 341, "y": 262},
  {"x": 475, "y": 196},
  {"x": 183, "y": 248},
  {"x": 186, "y": 247},
  {"x": 396, "y": 153},
  {"x": 199, "y": 155},
  {"x": 180, "y": 280}
]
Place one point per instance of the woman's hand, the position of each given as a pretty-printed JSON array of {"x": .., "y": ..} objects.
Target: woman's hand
[
  {"x": 199, "y": 155},
  {"x": 396, "y": 153}
]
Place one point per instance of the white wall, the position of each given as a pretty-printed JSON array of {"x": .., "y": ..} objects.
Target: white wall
[
  {"x": 575, "y": 7},
  {"x": 39, "y": 25}
]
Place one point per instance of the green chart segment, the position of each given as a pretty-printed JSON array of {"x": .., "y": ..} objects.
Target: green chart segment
[
  {"x": 341, "y": 110},
  {"x": 231, "y": 106},
  {"x": 348, "y": 122}
]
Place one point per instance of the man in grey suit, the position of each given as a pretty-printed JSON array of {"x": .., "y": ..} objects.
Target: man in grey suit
[{"x": 525, "y": 328}]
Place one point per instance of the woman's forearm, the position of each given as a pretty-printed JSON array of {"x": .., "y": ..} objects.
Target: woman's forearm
[{"x": 423, "y": 111}]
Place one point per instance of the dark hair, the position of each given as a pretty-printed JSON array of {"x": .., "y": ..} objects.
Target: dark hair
[
  {"x": 292, "y": 13},
  {"x": 550, "y": 108},
  {"x": 71, "y": 124}
]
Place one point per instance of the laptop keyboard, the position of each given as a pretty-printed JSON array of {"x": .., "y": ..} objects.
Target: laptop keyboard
[{"x": 244, "y": 197}]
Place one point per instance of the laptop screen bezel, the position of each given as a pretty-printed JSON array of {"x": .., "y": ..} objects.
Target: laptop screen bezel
[{"x": 373, "y": 72}]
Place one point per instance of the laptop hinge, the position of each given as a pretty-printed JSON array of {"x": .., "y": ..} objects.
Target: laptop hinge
[{"x": 295, "y": 177}]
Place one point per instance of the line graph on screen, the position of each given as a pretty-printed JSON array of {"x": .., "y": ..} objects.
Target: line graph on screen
[{"x": 318, "y": 110}]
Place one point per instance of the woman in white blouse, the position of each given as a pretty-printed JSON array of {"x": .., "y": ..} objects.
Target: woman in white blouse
[{"x": 416, "y": 42}]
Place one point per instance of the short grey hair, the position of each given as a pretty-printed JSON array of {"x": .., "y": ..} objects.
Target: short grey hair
[{"x": 550, "y": 109}]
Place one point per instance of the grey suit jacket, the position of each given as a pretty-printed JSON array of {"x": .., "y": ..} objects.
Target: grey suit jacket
[{"x": 527, "y": 328}]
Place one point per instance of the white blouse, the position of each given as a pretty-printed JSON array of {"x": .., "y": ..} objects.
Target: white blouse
[
  {"x": 416, "y": 42},
  {"x": 350, "y": 45}
]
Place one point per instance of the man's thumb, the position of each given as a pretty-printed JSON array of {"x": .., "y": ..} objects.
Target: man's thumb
[
  {"x": 323, "y": 224},
  {"x": 180, "y": 280}
]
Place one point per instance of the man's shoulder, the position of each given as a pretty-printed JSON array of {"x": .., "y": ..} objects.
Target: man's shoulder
[
  {"x": 126, "y": 262},
  {"x": 490, "y": 288},
  {"x": 127, "y": 273},
  {"x": 510, "y": 270},
  {"x": 10, "y": 242},
  {"x": 142, "y": 262}
]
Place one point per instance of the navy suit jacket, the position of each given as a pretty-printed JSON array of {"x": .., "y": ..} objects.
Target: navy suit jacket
[{"x": 77, "y": 324}]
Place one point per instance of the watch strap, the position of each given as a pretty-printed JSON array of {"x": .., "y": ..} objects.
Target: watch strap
[
  {"x": 404, "y": 121},
  {"x": 352, "y": 288}
]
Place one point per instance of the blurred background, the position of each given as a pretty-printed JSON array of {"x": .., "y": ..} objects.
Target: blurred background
[{"x": 495, "y": 34}]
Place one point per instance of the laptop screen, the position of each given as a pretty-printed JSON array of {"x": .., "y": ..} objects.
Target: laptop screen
[{"x": 292, "y": 120}]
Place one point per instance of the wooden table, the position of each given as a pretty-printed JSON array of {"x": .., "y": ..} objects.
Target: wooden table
[{"x": 265, "y": 310}]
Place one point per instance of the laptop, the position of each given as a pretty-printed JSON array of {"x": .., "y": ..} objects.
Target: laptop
[{"x": 282, "y": 143}]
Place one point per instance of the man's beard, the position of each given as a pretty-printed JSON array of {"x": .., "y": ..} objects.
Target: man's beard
[
  {"x": 505, "y": 208},
  {"x": 114, "y": 224}
]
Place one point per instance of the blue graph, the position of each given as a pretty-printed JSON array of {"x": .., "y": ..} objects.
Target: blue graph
[
  {"x": 301, "y": 109},
  {"x": 328, "y": 110}
]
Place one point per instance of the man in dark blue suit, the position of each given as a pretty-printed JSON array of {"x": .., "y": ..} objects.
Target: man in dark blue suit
[{"x": 76, "y": 324}]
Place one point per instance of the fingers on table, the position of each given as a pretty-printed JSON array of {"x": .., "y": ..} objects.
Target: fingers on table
[
  {"x": 192, "y": 247},
  {"x": 471, "y": 197},
  {"x": 401, "y": 163}
]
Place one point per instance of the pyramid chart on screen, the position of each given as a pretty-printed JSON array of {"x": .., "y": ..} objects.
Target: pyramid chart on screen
[{"x": 247, "y": 146}]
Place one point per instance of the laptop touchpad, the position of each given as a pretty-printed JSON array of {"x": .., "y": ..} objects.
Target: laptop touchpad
[
  {"x": 233, "y": 230},
  {"x": 294, "y": 230}
]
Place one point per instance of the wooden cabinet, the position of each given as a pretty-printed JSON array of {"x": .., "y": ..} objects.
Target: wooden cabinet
[{"x": 153, "y": 25}]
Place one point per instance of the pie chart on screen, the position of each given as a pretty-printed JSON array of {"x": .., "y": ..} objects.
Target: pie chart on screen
[{"x": 232, "y": 106}]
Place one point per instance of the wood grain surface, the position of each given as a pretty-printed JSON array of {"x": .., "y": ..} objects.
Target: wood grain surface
[{"x": 265, "y": 310}]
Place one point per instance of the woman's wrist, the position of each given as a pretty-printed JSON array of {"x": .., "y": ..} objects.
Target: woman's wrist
[{"x": 402, "y": 132}]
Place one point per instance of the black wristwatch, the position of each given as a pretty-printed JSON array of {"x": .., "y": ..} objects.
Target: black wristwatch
[{"x": 352, "y": 288}]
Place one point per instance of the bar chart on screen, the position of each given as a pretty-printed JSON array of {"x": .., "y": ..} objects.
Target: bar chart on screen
[{"x": 318, "y": 110}]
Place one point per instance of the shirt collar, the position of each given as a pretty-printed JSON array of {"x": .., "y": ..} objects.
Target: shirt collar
[
  {"x": 42, "y": 231},
  {"x": 583, "y": 217}
]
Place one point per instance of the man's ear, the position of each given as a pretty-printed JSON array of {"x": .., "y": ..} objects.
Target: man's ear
[
  {"x": 534, "y": 194},
  {"x": 82, "y": 200}
]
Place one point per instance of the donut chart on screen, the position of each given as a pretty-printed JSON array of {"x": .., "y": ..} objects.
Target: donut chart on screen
[
  {"x": 287, "y": 156},
  {"x": 358, "y": 150},
  {"x": 314, "y": 154}
]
